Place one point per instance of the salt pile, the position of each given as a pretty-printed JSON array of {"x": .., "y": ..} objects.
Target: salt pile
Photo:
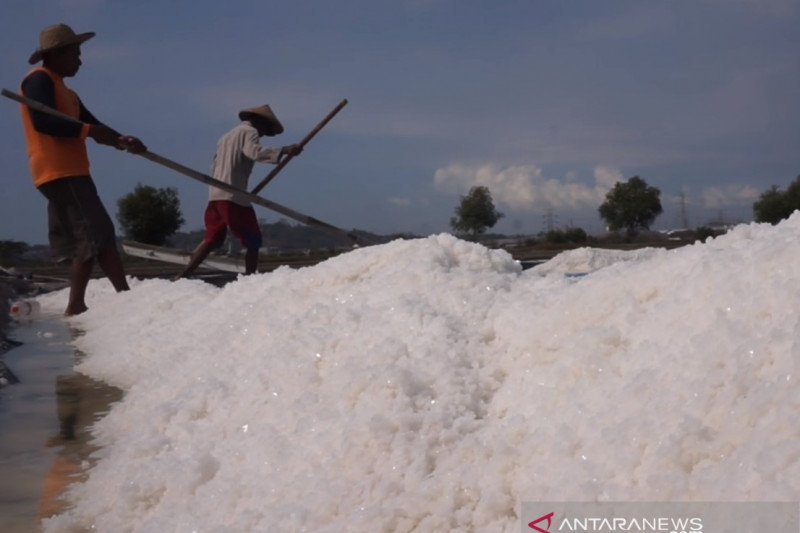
[{"x": 432, "y": 385}]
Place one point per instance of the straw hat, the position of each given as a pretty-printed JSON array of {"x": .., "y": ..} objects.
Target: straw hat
[
  {"x": 56, "y": 36},
  {"x": 263, "y": 112}
]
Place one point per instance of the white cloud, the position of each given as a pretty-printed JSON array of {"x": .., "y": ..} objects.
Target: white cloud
[
  {"x": 729, "y": 196},
  {"x": 525, "y": 188},
  {"x": 606, "y": 176}
]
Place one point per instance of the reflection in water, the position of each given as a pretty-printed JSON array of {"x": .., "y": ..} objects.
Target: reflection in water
[
  {"x": 7, "y": 377},
  {"x": 80, "y": 401},
  {"x": 45, "y": 423}
]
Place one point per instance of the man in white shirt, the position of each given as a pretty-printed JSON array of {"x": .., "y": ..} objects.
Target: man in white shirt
[{"x": 237, "y": 151}]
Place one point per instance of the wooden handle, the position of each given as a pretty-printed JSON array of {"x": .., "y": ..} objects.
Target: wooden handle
[
  {"x": 302, "y": 143},
  {"x": 199, "y": 176},
  {"x": 38, "y": 106}
]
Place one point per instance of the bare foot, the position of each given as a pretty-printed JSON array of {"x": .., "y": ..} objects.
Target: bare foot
[{"x": 73, "y": 310}]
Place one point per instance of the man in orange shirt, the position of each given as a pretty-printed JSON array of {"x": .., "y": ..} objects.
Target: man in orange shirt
[{"x": 80, "y": 229}]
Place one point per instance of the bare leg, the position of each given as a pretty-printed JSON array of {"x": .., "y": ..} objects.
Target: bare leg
[
  {"x": 198, "y": 256},
  {"x": 79, "y": 279},
  {"x": 111, "y": 263},
  {"x": 250, "y": 261}
]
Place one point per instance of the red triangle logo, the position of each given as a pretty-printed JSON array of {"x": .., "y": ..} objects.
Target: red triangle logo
[{"x": 548, "y": 517}]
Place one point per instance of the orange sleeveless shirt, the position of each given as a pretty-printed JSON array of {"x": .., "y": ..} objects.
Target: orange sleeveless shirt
[{"x": 51, "y": 158}]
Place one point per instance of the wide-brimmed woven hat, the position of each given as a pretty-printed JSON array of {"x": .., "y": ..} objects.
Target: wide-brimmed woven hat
[
  {"x": 56, "y": 36},
  {"x": 263, "y": 112}
]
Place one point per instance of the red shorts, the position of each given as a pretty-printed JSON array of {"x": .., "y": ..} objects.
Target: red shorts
[{"x": 222, "y": 214}]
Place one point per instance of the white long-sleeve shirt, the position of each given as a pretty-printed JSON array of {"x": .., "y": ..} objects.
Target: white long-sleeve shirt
[{"x": 237, "y": 150}]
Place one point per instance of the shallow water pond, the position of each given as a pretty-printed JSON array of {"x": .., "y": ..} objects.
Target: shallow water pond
[{"x": 45, "y": 420}]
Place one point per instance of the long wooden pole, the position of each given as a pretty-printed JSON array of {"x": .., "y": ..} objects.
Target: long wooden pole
[
  {"x": 302, "y": 143},
  {"x": 199, "y": 176}
]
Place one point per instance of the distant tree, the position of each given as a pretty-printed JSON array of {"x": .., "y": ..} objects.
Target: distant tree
[
  {"x": 150, "y": 215},
  {"x": 775, "y": 205},
  {"x": 566, "y": 235},
  {"x": 475, "y": 213},
  {"x": 793, "y": 193},
  {"x": 11, "y": 251},
  {"x": 631, "y": 205},
  {"x": 704, "y": 232},
  {"x": 772, "y": 206}
]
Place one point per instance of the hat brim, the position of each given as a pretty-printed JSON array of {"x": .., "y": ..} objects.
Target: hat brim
[
  {"x": 78, "y": 39},
  {"x": 277, "y": 127}
]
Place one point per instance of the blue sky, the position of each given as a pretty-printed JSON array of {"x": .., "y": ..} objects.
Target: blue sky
[{"x": 546, "y": 102}]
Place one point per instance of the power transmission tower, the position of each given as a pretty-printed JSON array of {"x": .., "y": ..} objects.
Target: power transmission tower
[
  {"x": 549, "y": 219},
  {"x": 684, "y": 218}
]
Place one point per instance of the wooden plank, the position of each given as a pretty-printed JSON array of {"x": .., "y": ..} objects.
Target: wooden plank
[
  {"x": 199, "y": 176},
  {"x": 180, "y": 257}
]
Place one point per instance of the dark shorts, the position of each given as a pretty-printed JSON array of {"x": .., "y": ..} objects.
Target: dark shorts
[
  {"x": 78, "y": 224},
  {"x": 222, "y": 214}
]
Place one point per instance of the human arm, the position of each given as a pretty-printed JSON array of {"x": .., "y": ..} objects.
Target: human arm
[
  {"x": 38, "y": 86},
  {"x": 271, "y": 155},
  {"x": 98, "y": 130},
  {"x": 253, "y": 149}
]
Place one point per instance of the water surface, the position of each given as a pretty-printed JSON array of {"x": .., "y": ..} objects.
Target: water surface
[{"x": 45, "y": 421}]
